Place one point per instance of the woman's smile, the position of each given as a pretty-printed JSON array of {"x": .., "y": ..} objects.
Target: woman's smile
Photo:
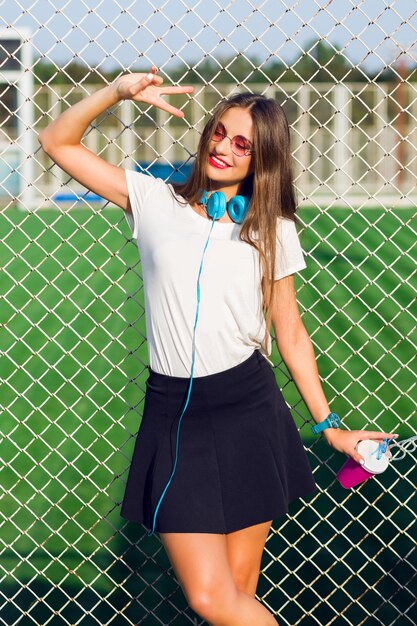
[{"x": 215, "y": 161}]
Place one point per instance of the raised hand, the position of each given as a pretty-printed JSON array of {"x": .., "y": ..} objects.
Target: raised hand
[{"x": 148, "y": 88}]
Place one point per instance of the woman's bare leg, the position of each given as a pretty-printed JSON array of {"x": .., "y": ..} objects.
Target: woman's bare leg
[
  {"x": 244, "y": 550},
  {"x": 201, "y": 564}
]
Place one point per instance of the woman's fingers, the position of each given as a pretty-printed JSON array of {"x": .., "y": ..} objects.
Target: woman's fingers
[
  {"x": 167, "y": 91},
  {"x": 165, "y": 106},
  {"x": 148, "y": 89},
  {"x": 144, "y": 82},
  {"x": 161, "y": 104},
  {"x": 374, "y": 434},
  {"x": 357, "y": 458},
  {"x": 154, "y": 97}
]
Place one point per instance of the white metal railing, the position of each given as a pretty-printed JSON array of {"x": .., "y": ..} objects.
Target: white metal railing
[{"x": 346, "y": 144}]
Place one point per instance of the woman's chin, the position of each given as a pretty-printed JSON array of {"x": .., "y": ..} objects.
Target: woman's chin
[{"x": 216, "y": 184}]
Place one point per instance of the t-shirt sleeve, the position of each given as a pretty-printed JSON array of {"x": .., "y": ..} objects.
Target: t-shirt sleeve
[
  {"x": 139, "y": 187},
  {"x": 289, "y": 254}
]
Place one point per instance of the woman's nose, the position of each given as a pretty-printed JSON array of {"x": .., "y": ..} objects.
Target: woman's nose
[{"x": 224, "y": 146}]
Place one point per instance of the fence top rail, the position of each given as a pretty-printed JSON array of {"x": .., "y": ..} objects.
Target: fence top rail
[{"x": 282, "y": 87}]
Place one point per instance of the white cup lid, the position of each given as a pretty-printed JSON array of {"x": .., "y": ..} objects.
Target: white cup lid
[{"x": 368, "y": 449}]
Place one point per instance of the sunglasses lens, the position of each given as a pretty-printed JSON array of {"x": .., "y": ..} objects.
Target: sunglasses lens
[
  {"x": 219, "y": 134},
  {"x": 240, "y": 146}
]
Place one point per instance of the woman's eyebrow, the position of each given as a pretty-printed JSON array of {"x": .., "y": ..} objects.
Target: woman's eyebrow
[
  {"x": 238, "y": 134},
  {"x": 245, "y": 138}
]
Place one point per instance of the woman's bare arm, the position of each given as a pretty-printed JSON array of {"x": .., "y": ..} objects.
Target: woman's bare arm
[
  {"x": 292, "y": 341},
  {"x": 297, "y": 352},
  {"x": 61, "y": 139}
]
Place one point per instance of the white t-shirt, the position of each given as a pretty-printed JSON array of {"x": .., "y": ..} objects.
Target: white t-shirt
[{"x": 171, "y": 239}]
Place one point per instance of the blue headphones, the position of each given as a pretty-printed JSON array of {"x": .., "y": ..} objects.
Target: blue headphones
[{"x": 216, "y": 206}]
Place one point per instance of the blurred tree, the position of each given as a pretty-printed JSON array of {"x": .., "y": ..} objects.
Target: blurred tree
[
  {"x": 322, "y": 62},
  {"x": 319, "y": 62},
  {"x": 73, "y": 72}
]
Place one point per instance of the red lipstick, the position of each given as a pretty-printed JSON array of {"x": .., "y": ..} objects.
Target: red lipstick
[{"x": 215, "y": 161}]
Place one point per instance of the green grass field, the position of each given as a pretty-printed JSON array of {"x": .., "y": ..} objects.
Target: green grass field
[{"x": 73, "y": 357}]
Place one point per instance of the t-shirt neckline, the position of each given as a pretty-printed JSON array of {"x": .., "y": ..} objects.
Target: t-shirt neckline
[
  {"x": 201, "y": 219},
  {"x": 224, "y": 227}
]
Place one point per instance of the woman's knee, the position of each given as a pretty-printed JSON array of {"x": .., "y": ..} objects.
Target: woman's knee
[
  {"x": 246, "y": 580},
  {"x": 245, "y": 548},
  {"x": 202, "y": 568},
  {"x": 212, "y": 602}
]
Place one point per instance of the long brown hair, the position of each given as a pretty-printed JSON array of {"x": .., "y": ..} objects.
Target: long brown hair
[{"x": 270, "y": 186}]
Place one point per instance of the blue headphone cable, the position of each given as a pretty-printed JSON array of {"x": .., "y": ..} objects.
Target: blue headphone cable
[{"x": 152, "y": 531}]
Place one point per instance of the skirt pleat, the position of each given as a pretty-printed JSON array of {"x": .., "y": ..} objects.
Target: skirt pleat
[{"x": 240, "y": 457}]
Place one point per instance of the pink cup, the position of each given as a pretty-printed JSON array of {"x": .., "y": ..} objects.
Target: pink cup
[{"x": 352, "y": 473}]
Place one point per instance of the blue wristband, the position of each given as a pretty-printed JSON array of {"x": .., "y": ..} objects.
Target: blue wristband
[{"x": 331, "y": 421}]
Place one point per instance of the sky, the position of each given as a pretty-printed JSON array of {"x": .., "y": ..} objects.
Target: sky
[{"x": 128, "y": 34}]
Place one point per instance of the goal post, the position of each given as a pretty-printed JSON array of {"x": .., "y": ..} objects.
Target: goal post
[{"x": 18, "y": 143}]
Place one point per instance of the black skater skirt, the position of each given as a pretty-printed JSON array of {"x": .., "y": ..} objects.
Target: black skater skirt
[{"x": 240, "y": 456}]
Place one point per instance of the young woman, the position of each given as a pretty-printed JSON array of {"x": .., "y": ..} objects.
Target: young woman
[{"x": 218, "y": 456}]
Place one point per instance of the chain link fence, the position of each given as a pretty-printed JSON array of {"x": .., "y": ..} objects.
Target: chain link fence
[{"x": 73, "y": 344}]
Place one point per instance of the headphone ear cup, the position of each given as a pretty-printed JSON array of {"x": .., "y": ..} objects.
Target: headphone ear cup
[
  {"x": 237, "y": 207},
  {"x": 216, "y": 205}
]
